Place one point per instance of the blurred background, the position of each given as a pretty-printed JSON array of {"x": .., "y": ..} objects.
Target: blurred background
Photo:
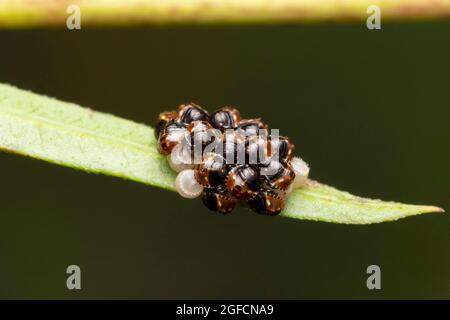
[{"x": 369, "y": 110}]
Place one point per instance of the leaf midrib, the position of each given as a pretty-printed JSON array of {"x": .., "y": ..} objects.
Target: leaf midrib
[{"x": 116, "y": 141}]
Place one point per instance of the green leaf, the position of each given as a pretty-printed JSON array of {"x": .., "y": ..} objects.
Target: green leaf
[
  {"x": 67, "y": 134},
  {"x": 324, "y": 203}
]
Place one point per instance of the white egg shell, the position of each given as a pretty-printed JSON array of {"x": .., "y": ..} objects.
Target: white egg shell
[
  {"x": 301, "y": 170},
  {"x": 187, "y": 186},
  {"x": 180, "y": 159}
]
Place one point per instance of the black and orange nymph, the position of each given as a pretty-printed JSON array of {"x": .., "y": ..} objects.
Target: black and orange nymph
[{"x": 229, "y": 160}]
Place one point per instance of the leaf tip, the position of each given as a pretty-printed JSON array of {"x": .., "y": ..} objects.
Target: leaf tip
[{"x": 433, "y": 209}]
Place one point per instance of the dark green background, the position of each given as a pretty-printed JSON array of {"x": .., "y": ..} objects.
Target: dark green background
[{"x": 369, "y": 110}]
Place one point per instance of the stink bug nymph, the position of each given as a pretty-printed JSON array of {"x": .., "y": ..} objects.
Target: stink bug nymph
[
  {"x": 218, "y": 200},
  {"x": 171, "y": 135},
  {"x": 243, "y": 182},
  {"x": 252, "y": 127},
  {"x": 213, "y": 171},
  {"x": 267, "y": 202},
  {"x": 225, "y": 118},
  {"x": 163, "y": 118},
  {"x": 278, "y": 175},
  {"x": 282, "y": 148},
  {"x": 188, "y": 113},
  {"x": 239, "y": 161}
]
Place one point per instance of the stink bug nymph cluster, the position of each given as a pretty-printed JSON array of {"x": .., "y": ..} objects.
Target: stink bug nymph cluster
[{"x": 229, "y": 160}]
